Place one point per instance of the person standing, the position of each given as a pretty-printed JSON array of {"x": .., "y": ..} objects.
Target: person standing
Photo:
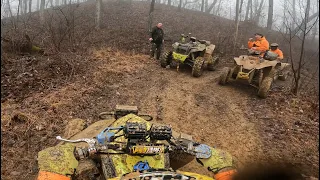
[{"x": 156, "y": 39}]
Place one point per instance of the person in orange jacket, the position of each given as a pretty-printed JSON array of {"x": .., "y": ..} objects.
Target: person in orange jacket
[
  {"x": 274, "y": 47},
  {"x": 259, "y": 44}
]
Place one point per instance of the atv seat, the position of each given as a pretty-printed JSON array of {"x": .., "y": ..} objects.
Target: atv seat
[{"x": 184, "y": 47}]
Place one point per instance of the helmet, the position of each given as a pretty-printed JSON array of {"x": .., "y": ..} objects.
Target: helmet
[
  {"x": 270, "y": 56},
  {"x": 193, "y": 39},
  {"x": 274, "y": 45}
]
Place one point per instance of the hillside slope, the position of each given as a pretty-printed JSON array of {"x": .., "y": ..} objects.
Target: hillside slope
[{"x": 40, "y": 94}]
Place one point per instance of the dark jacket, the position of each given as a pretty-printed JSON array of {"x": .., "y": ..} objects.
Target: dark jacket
[{"x": 157, "y": 35}]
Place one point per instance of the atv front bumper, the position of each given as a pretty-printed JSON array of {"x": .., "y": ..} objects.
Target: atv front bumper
[
  {"x": 179, "y": 57},
  {"x": 243, "y": 75}
]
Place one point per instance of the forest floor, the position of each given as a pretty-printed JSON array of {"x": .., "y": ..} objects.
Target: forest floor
[{"x": 40, "y": 94}]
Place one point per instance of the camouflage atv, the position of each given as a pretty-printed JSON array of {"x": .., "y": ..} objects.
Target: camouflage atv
[
  {"x": 128, "y": 142},
  {"x": 196, "y": 54},
  {"x": 256, "y": 71}
]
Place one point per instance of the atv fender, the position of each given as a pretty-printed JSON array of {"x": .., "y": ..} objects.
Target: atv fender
[
  {"x": 267, "y": 63},
  {"x": 284, "y": 66},
  {"x": 210, "y": 49},
  {"x": 250, "y": 62}
]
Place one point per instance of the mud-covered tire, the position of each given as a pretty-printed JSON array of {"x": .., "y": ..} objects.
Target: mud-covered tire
[
  {"x": 225, "y": 75},
  {"x": 265, "y": 87},
  {"x": 108, "y": 168},
  {"x": 87, "y": 170},
  {"x": 212, "y": 66},
  {"x": 284, "y": 76},
  {"x": 197, "y": 68},
  {"x": 166, "y": 59},
  {"x": 167, "y": 161}
]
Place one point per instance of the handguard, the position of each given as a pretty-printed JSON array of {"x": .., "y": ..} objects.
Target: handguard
[{"x": 219, "y": 160}]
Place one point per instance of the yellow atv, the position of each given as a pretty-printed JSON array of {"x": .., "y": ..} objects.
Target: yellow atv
[
  {"x": 256, "y": 71},
  {"x": 196, "y": 54},
  {"x": 129, "y": 143}
]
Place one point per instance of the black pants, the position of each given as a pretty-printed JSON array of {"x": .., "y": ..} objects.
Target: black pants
[{"x": 156, "y": 48}]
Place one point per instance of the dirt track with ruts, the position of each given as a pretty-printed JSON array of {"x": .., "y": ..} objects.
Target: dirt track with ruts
[{"x": 229, "y": 117}]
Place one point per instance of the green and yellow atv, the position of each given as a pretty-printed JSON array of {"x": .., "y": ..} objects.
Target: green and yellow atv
[
  {"x": 127, "y": 142},
  {"x": 196, "y": 53}
]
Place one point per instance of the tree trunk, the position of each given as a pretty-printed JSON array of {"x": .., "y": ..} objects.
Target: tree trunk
[
  {"x": 98, "y": 14},
  {"x": 56, "y": 2},
  {"x": 30, "y": 6},
  {"x": 297, "y": 29},
  {"x": 294, "y": 15},
  {"x": 240, "y": 9},
  {"x": 42, "y": 4},
  {"x": 25, "y": 6},
  {"x": 20, "y": 7},
  {"x": 270, "y": 15},
  {"x": 151, "y": 15},
  {"x": 316, "y": 26},
  {"x": 202, "y": 5},
  {"x": 180, "y": 4},
  {"x": 237, "y": 11},
  {"x": 9, "y": 8},
  {"x": 205, "y": 5},
  {"x": 38, "y": 5},
  {"x": 211, "y": 6},
  {"x": 258, "y": 13},
  {"x": 251, "y": 12},
  {"x": 247, "y": 9},
  {"x": 169, "y": 2},
  {"x": 283, "y": 26},
  {"x": 297, "y": 79},
  {"x": 218, "y": 10}
]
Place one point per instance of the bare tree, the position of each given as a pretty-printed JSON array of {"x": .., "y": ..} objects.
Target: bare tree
[
  {"x": 270, "y": 15},
  {"x": 294, "y": 15},
  {"x": 211, "y": 6},
  {"x": 218, "y": 9},
  {"x": 258, "y": 11},
  {"x": 237, "y": 11},
  {"x": 42, "y": 5},
  {"x": 25, "y": 6},
  {"x": 30, "y": 6},
  {"x": 151, "y": 15},
  {"x": 305, "y": 21},
  {"x": 9, "y": 8},
  {"x": 202, "y": 5},
  {"x": 38, "y": 5},
  {"x": 98, "y": 14},
  {"x": 237, "y": 20},
  {"x": 205, "y": 4},
  {"x": 169, "y": 2},
  {"x": 297, "y": 74},
  {"x": 298, "y": 63},
  {"x": 249, "y": 4},
  {"x": 180, "y": 4},
  {"x": 240, "y": 9}
]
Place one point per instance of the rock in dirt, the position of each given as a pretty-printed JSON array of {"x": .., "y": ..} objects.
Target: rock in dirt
[
  {"x": 20, "y": 118},
  {"x": 39, "y": 127},
  {"x": 73, "y": 127},
  {"x": 15, "y": 173}
]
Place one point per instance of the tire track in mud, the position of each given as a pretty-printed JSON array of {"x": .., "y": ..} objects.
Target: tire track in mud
[{"x": 211, "y": 113}]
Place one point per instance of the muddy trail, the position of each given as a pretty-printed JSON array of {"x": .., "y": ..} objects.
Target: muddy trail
[{"x": 227, "y": 117}]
